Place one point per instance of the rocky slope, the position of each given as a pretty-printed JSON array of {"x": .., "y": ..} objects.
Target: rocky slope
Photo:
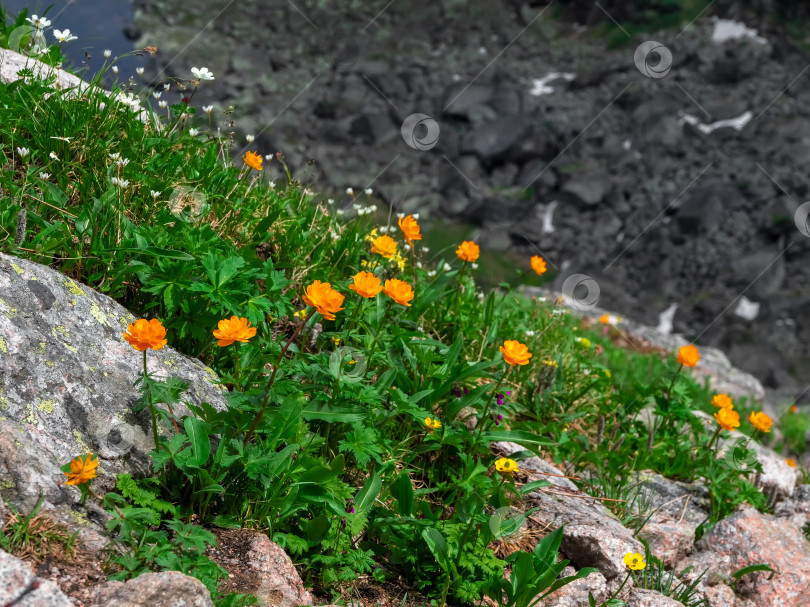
[
  {"x": 66, "y": 380},
  {"x": 679, "y": 190}
]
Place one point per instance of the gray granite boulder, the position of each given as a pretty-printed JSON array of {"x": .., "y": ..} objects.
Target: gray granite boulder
[
  {"x": 21, "y": 588},
  {"x": 66, "y": 386},
  {"x": 164, "y": 589}
]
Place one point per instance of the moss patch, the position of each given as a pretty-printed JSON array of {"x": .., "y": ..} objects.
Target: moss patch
[
  {"x": 47, "y": 405},
  {"x": 100, "y": 316},
  {"x": 73, "y": 287},
  {"x": 17, "y": 268},
  {"x": 31, "y": 418},
  {"x": 3, "y": 347}
]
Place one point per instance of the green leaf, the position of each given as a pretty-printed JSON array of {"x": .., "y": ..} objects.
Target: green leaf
[
  {"x": 521, "y": 437},
  {"x": 364, "y": 499},
  {"x": 438, "y": 547},
  {"x": 404, "y": 494},
  {"x": 317, "y": 529},
  {"x": 327, "y": 413},
  {"x": 200, "y": 444},
  {"x": 753, "y": 568}
]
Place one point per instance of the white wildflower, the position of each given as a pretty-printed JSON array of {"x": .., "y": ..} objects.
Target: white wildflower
[
  {"x": 447, "y": 267},
  {"x": 44, "y": 175},
  {"x": 372, "y": 208},
  {"x": 208, "y": 109},
  {"x": 23, "y": 152},
  {"x": 340, "y": 211},
  {"x": 368, "y": 191},
  {"x": 272, "y": 185},
  {"x": 167, "y": 86},
  {"x": 114, "y": 156},
  {"x": 202, "y": 73},
  {"x": 432, "y": 273},
  {"x": 330, "y": 201},
  {"x": 384, "y": 229},
  {"x": 407, "y": 247},
  {"x": 194, "y": 132},
  {"x": 415, "y": 215},
  {"x": 156, "y": 94},
  {"x": 529, "y": 333},
  {"x": 139, "y": 71},
  {"x": 121, "y": 183},
  {"x": 122, "y": 162},
  {"x": 163, "y": 104},
  {"x": 54, "y": 156},
  {"x": 474, "y": 266},
  {"x": 419, "y": 264},
  {"x": 249, "y": 138},
  {"x": 63, "y": 138},
  {"x": 39, "y": 23},
  {"x": 334, "y": 235},
  {"x": 350, "y": 191},
  {"x": 63, "y": 36},
  {"x": 115, "y": 69},
  {"x": 154, "y": 193},
  {"x": 107, "y": 54},
  {"x": 425, "y": 250}
]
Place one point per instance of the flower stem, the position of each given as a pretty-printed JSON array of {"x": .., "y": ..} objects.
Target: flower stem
[
  {"x": 482, "y": 421},
  {"x": 263, "y": 408},
  {"x": 237, "y": 371},
  {"x": 151, "y": 406},
  {"x": 377, "y": 334},
  {"x": 615, "y": 594}
]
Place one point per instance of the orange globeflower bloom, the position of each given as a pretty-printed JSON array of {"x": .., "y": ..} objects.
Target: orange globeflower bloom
[
  {"x": 399, "y": 290},
  {"x": 791, "y": 462},
  {"x": 253, "y": 160},
  {"x": 233, "y": 329},
  {"x": 366, "y": 284},
  {"x": 604, "y": 319},
  {"x": 322, "y": 297},
  {"x": 539, "y": 265},
  {"x": 688, "y": 356},
  {"x": 515, "y": 353},
  {"x": 760, "y": 421},
  {"x": 793, "y": 408},
  {"x": 468, "y": 251},
  {"x": 385, "y": 246},
  {"x": 723, "y": 401},
  {"x": 146, "y": 334},
  {"x": 410, "y": 229},
  {"x": 728, "y": 419},
  {"x": 82, "y": 470}
]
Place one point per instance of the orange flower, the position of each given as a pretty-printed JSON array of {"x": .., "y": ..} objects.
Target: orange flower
[
  {"x": 723, "y": 401},
  {"x": 468, "y": 251},
  {"x": 604, "y": 319},
  {"x": 233, "y": 329},
  {"x": 728, "y": 419},
  {"x": 366, "y": 284},
  {"x": 515, "y": 353},
  {"x": 253, "y": 160},
  {"x": 688, "y": 356},
  {"x": 322, "y": 297},
  {"x": 791, "y": 462},
  {"x": 539, "y": 265},
  {"x": 399, "y": 290},
  {"x": 82, "y": 470},
  {"x": 793, "y": 408},
  {"x": 410, "y": 229},
  {"x": 760, "y": 421},
  {"x": 145, "y": 334},
  {"x": 385, "y": 246}
]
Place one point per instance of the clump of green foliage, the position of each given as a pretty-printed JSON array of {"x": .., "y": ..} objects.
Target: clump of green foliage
[{"x": 323, "y": 443}]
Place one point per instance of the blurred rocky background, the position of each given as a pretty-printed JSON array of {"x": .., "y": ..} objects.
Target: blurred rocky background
[{"x": 676, "y": 190}]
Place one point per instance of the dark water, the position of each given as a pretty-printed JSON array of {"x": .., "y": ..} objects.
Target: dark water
[{"x": 99, "y": 25}]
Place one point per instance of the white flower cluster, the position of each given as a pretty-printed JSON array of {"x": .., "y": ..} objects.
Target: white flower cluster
[{"x": 361, "y": 210}]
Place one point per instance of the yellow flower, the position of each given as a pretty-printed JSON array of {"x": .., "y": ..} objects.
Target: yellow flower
[
  {"x": 253, "y": 160},
  {"x": 550, "y": 363},
  {"x": 384, "y": 245},
  {"x": 322, "y": 297},
  {"x": 410, "y": 229},
  {"x": 400, "y": 261},
  {"x": 538, "y": 265},
  {"x": 300, "y": 313},
  {"x": 371, "y": 235},
  {"x": 688, "y": 356},
  {"x": 728, "y": 419},
  {"x": 366, "y": 284},
  {"x": 468, "y": 251},
  {"x": 432, "y": 424},
  {"x": 336, "y": 341},
  {"x": 634, "y": 561},
  {"x": 723, "y": 401},
  {"x": 760, "y": 421},
  {"x": 146, "y": 334},
  {"x": 791, "y": 462},
  {"x": 584, "y": 342},
  {"x": 82, "y": 470},
  {"x": 233, "y": 329},
  {"x": 506, "y": 466},
  {"x": 399, "y": 290},
  {"x": 515, "y": 353}
]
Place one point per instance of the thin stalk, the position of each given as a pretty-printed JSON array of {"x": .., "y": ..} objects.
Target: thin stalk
[
  {"x": 286, "y": 347},
  {"x": 151, "y": 406},
  {"x": 377, "y": 334},
  {"x": 482, "y": 420}
]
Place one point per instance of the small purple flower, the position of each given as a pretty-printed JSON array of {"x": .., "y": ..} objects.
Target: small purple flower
[
  {"x": 466, "y": 390},
  {"x": 508, "y": 393},
  {"x": 343, "y": 522},
  {"x": 497, "y": 423},
  {"x": 500, "y": 401},
  {"x": 500, "y": 417}
]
